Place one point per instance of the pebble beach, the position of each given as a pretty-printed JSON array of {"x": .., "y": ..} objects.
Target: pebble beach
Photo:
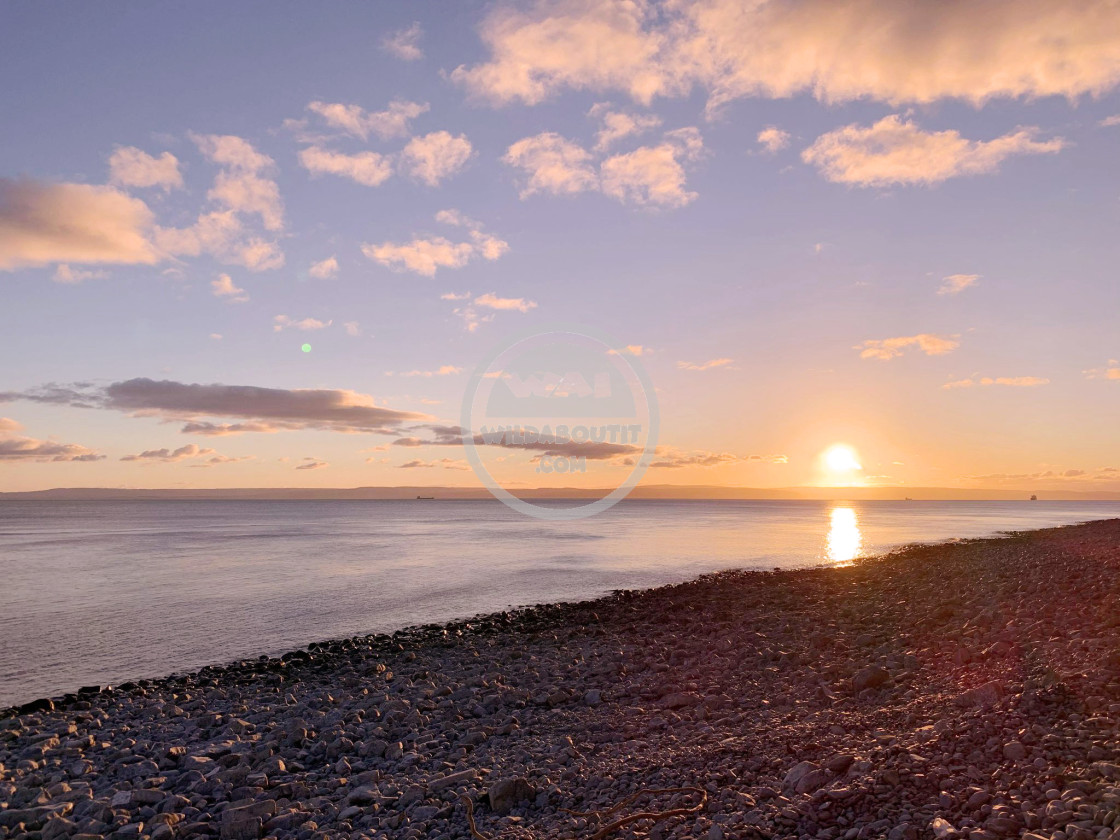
[{"x": 960, "y": 690}]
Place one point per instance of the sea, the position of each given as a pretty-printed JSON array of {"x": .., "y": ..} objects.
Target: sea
[{"x": 101, "y": 592}]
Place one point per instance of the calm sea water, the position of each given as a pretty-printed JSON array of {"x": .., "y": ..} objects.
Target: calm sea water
[{"x": 102, "y": 592}]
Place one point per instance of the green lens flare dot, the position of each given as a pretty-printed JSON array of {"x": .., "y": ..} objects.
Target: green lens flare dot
[{"x": 306, "y": 348}]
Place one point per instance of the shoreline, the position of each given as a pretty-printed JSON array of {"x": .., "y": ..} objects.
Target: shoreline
[{"x": 763, "y": 682}]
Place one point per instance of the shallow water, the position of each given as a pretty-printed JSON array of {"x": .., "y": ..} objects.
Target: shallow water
[{"x": 101, "y": 592}]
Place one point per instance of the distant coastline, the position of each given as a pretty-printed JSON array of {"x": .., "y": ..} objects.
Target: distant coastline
[{"x": 648, "y": 492}]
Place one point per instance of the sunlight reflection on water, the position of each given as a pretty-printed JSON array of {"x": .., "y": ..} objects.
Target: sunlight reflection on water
[{"x": 845, "y": 542}]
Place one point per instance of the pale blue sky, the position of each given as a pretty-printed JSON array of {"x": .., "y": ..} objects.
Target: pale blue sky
[{"x": 768, "y": 259}]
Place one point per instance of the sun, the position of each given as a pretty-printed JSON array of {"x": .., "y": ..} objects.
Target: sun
[{"x": 841, "y": 460}]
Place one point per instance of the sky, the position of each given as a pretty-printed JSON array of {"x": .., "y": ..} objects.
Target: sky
[{"x": 267, "y": 244}]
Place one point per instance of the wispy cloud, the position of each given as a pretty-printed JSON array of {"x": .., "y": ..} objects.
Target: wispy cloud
[
  {"x": 133, "y": 167},
  {"x": 369, "y": 169},
  {"x": 312, "y": 464},
  {"x": 631, "y": 350},
  {"x": 243, "y": 188},
  {"x": 957, "y": 283},
  {"x": 443, "y": 370},
  {"x": 890, "y": 348},
  {"x": 649, "y": 176},
  {"x": 492, "y": 301},
  {"x": 435, "y": 157},
  {"x": 67, "y": 275},
  {"x": 324, "y": 268},
  {"x": 443, "y": 463},
  {"x": 223, "y": 287},
  {"x": 1111, "y": 371},
  {"x": 773, "y": 139},
  {"x": 356, "y": 121},
  {"x": 896, "y": 151},
  {"x": 426, "y": 255},
  {"x": 1006, "y": 381},
  {"x": 283, "y": 322},
  {"x": 708, "y": 365},
  {"x": 618, "y": 125},
  {"x": 404, "y": 43}
]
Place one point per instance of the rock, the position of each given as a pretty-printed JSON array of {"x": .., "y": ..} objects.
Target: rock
[
  {"x": 363, "y": 796},
  {"x": 941, "y": 828},
  {"x": 872, "y": 676},
  {"x": 840, "y": 763},
  {"x": 593, "y": 697},
  {"x": 988, "y": 694},
  {"x": 679, "y": 700},
  {"x": 453, "y": 780},
  {"x": 804, "y": 777},
  {"x": 504, "y": 794},
  {"x": 1014, "y": 751}
]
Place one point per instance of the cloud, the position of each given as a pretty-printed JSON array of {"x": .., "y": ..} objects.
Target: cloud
[
  {"x": 896, "y": 151},
  {"x": 454, "y": 296},
  {"x": 668, "y": 457},
  {"x": 43, "y": 223},
  {"x": 16, "y": 448},
  {"x": 957, "y": 283},
  {"x": 1057, "y": 477},
  {"x": 65, "y": 274},
  {"x": 404, "y": 43},
  {"x": 491, "y": 301},
  {"x": 773, "y": 139},
  {"x": 708, "y": 365},
  {"x": 223, "y": 287},
  {"x": 221, "y": 234},
  {"x": 132, "y": 167},
  {"x": 889, "y": 348},
  {"x": 631, "y": 350},
  {"x": 651, "y": 176},
  {"x": 443, "y": 370},
  {"x": 208, "y": 429},
  {"x": 435, "y": 156},
  {"x": 552, "y": 164},
  {"x": 283, "y": 322},
  {"x": 369, "y": 169},
  {"x": 426, "y": 255},
  {"x": 1108, "y": 122},
  {"x": 472, "y": 318},
  {"x": 1110, "y": 372},
  {"x": 358, "y": 122},
  {"x": 241, "y": 186},
  {"x": 7, "y": 424},
  {"x": 168, "y": 456},
  {"x": 352, "y": 328},
  {"x": 445, "y": 463},
  {"x": 836, "y": 50},
  {"x": 312, "y": 464},
  {"x": 255, "y": 408},
  {"x": 324, "y": 269},
  {"x": 618, "y": 125},
  {"x": 1007, "y": 381}
]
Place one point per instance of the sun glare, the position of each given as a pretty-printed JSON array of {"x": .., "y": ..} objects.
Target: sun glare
[
  {"x": 840, "y": 459},
  {"x": 844, "y": 538}
]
